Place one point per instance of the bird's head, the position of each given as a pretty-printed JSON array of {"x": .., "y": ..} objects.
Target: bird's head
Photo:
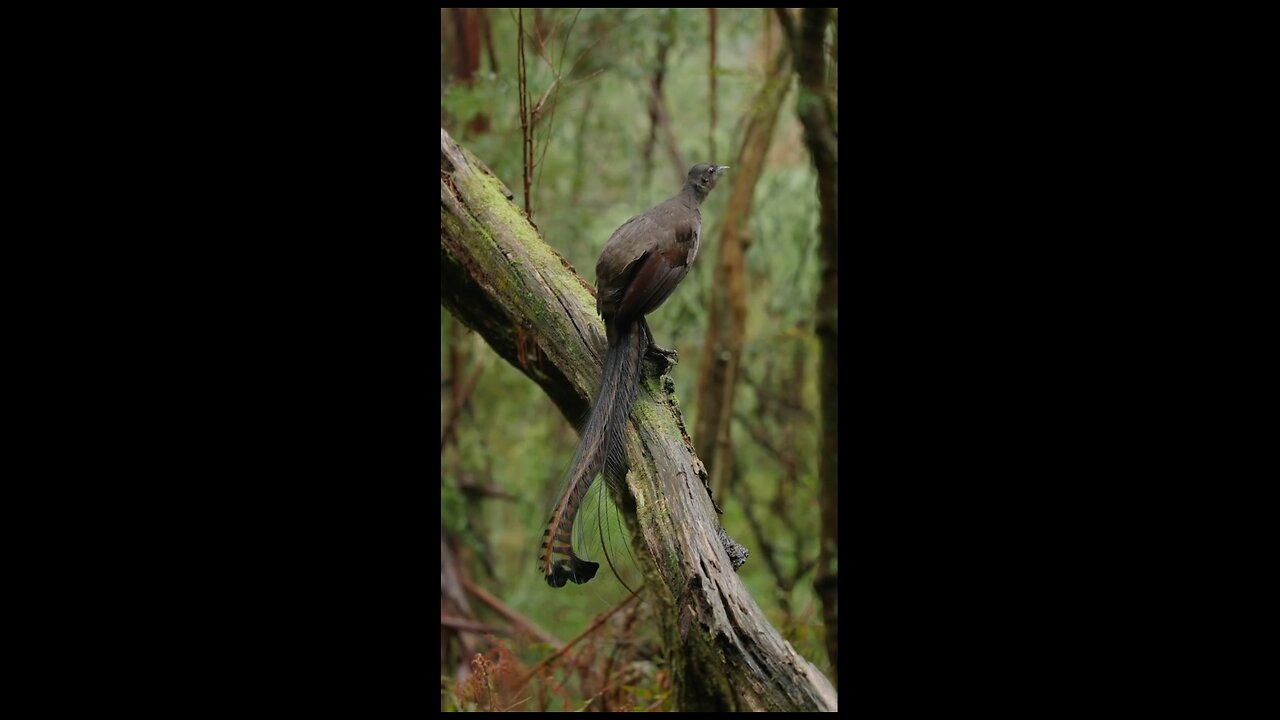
[{"x": 704, "y": 176}]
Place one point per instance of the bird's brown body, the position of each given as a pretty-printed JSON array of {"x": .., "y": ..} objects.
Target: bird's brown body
[{"x": 643, "y": 262}]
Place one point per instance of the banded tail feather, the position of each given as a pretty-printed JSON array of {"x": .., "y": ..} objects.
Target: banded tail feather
[{"x": 601, "y": 449}]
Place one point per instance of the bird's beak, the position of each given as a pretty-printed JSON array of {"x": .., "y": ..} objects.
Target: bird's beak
[{"x": 721, "y": 169}]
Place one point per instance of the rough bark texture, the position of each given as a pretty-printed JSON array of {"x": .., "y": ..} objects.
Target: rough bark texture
[
  {"x": 816, "y": 111},
  {"x": 727, "y": 304},
  {"x": 501, "y": 279}
]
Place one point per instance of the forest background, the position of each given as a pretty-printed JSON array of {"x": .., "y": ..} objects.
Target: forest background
[{"x": 600, "y": 120}]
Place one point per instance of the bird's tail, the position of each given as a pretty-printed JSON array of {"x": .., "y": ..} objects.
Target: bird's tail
[{"x": 601, "y": 449}]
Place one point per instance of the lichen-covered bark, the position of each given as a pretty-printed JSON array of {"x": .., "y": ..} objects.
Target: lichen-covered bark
[{"x": 502, "y": 280}]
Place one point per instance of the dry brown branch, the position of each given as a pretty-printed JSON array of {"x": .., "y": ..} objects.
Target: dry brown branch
[
  {"x": 472, "y": 626},
  {"x": 520, "y": 621},
  {"x": 526, "y": 133},
  {"x": 461, "y": 396},
  {"x": 470, "y": 488},
  {"x": 569, "y": 645}
]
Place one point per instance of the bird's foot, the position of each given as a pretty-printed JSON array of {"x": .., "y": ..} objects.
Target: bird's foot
[{"x": 663, "y": 358}]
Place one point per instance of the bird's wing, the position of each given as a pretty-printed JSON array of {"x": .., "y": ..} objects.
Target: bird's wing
[
  {"x": 653, "y": 281},
  {"x": 619, "y": 260},
  {"x": 635, "y": 237},
  {"x": 645, "y": 260}
]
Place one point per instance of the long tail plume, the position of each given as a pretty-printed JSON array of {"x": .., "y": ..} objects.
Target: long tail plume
[{"x": 600, "y": 450}]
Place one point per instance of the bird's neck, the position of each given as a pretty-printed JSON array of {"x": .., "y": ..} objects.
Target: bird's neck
[{"x": 692, "y": 195}]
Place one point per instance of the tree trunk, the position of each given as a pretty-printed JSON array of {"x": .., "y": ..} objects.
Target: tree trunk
[
  {"x": 502, "y": 280},
  {"x": 727, "y": 304},
  {"x": 467, "y": 23},
  {"x": 817, "y": 113}
]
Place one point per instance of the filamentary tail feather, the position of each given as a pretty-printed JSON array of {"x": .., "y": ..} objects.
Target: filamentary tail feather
[{"x": 600, "y": 450}]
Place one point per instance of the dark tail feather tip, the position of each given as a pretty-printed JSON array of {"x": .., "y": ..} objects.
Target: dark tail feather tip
[{"x": 578, "y": 571}]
